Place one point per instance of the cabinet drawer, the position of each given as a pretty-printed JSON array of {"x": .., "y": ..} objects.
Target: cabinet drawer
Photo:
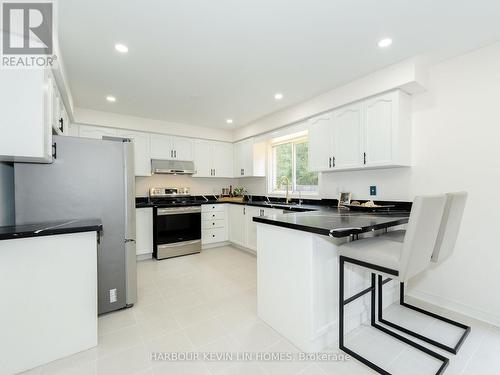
[
  {"x": 209, "y": 224},
  {"x": 212, "y": 208},
  {"x": 214, "y": 215},
  {"x": 213, "y": 235}
]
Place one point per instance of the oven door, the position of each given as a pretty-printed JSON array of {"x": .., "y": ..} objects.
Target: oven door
[{"x": 178, "y": 231}]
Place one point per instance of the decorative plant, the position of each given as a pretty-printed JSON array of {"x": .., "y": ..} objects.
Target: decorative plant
[{"x": 238, "y": 191}]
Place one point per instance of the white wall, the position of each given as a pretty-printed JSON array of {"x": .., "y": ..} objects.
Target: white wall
[
  {"x": 115, "y": 120},
  {"x": 199, "y": 186},
  {"x": 7, "y": 212},
  {"x": 456, "y": 147}
]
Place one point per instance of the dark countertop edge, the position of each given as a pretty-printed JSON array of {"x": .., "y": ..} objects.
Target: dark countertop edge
[
  {"x": 49, "y": 229},
  {"x": 308, "y": 205},
  {"x": 326, "y": 232}
]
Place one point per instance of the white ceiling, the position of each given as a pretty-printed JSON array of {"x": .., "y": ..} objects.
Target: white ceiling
[{"x": 199, "y": 62}]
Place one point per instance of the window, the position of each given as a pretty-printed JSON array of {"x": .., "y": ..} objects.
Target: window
[{"x": 289, "y": 161}]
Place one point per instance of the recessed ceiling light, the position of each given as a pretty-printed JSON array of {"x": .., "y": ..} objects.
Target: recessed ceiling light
[
  {"x": 384, "y": 43},
  {"x": 121, "y": 48},
  {"x": 110, "y": 98},
  {"x": 278, "y": 96},
  {"x": 229, "y": 121}
]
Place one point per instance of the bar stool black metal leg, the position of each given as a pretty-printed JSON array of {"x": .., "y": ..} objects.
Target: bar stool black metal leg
[
  {"x": 372, "y": 290},
  {"x": 453, "y": 350}
]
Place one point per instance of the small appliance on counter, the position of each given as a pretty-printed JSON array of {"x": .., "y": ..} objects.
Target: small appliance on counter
[{"x": 176, "y": 222}]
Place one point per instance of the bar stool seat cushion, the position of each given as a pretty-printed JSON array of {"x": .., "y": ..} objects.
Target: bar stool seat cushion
[{"x": 376, "y": 250}]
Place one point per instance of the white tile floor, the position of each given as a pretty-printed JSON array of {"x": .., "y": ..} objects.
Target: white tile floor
[{"x": 207, "y": 303}]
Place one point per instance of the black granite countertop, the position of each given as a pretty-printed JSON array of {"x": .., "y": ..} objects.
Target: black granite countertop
[
  {"x": 336, "y": 222},
  {"x": 320, "y": 205},
  {"x": 49, "y": 228}
]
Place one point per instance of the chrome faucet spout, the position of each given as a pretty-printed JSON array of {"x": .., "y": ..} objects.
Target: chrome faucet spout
[{"x": 287, "y": 181}]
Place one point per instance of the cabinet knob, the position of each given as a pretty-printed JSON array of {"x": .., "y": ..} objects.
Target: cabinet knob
[{"x": 213, "y": 235}]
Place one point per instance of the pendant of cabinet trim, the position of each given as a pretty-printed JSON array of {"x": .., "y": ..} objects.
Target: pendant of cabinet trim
[{"x": 373, "y": 133}]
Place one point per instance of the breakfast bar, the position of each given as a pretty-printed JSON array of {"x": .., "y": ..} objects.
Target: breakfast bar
[{"x": 297, "y": 271}]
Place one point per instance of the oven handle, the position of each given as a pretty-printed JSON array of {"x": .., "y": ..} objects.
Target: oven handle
[
  {"x": 177, "y": 244},
  {"x": 178, "y": 211}
]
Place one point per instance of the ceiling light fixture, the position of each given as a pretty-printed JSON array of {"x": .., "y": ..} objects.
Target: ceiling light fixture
[
  {"x": 110, "y": 98},
  {"x": 384, "y": 43},
  {"x": 122, "y": 48},
  {"x": 278, "y": 96},
  {"x": 229, "y": 121}
]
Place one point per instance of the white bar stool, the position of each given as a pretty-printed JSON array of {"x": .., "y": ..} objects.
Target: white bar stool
[
  {"x": 397, "y": 260},
  {"x": 445, "y": 245}
]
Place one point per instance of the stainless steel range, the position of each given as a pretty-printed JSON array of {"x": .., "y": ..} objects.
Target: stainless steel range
[{"x": 177, "y": 222}]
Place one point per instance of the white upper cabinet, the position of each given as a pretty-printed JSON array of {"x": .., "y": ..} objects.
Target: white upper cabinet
[
  {"x": 202, "y": 158},
  {"x": 249, "y": 159},
  {"x": 347, "y": 137},
  {"x": 374, "y": 133},
  {"x": 97, "y": 132},
  {"x": 387, "y": 133},
  {"x": 213, "y": 159},
  {"x": 171, "y": 148},
  {"x": 142, "y": 151},
  {"x": 183, "y": 148},
  {"x": 26, "y": 115},
  {"x": 222, "y": 159},
  {"x": 161, "y": 147},
  {"x": 321, "y": 142}
]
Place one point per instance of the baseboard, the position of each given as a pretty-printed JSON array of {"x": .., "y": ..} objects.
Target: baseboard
[
  {"x": 458, "y": 307},
  {"x": 144, "y": 257},
  {"x": 243, "y": 248},
  {"x": 212, "y": 245}
]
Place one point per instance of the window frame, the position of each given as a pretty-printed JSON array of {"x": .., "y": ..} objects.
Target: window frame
[{"x": 293, "y": 183}]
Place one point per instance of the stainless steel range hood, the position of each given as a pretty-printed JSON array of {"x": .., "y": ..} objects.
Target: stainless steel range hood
[{"x": 172, "y": 167}]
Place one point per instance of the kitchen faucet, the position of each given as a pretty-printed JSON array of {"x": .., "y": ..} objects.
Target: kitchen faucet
[{"x": 287, "y": 181}]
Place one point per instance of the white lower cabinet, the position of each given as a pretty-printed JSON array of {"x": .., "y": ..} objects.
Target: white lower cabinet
[
  {"x": 214, "y": 226},
  {"x": 242, "y": 228},
  {"x": 237, "y": 228},
  {"x": 144, "y": 230}
]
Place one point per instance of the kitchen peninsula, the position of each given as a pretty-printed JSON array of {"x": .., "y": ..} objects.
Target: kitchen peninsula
[{"x": 297, "y": 271}]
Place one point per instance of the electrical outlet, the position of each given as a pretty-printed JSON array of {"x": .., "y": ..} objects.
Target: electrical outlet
[
  {"x": 112, "y": 295},
  {"x": 373, "y": 190}
]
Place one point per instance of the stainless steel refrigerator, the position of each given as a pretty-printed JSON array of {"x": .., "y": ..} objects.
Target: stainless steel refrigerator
[{"x": 89, "y": 178}]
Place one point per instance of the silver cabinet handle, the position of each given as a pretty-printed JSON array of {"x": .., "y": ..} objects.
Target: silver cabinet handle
[
  {"x": 330, "y": 162},
  {"x": 333, "y": 161}
]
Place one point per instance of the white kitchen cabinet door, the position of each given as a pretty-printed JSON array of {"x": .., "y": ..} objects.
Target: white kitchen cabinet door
[
  {"x": 251, "y": 226},
  {"x": 183, "y": 148},
  {"x": 142, "y": 152},
  {"x": 144, "y": 230},
  {"x": 161, "y": 147},
  {"x": 347, "y": 137},
  {"x": 321, "y": 142},
  {"x": 237, "y": 224},
  {"x": 246, "y": 157},
  {"x": 387, "y": 130},
  {"x": 249, "y": 159},
  {"x": 202, "y": 158},
  {"x": 96, "y": 132},
  {"x": 222, "y": 159},
  {"x": 26, "y": 110},
  {"x": 380, "y": 118}
]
